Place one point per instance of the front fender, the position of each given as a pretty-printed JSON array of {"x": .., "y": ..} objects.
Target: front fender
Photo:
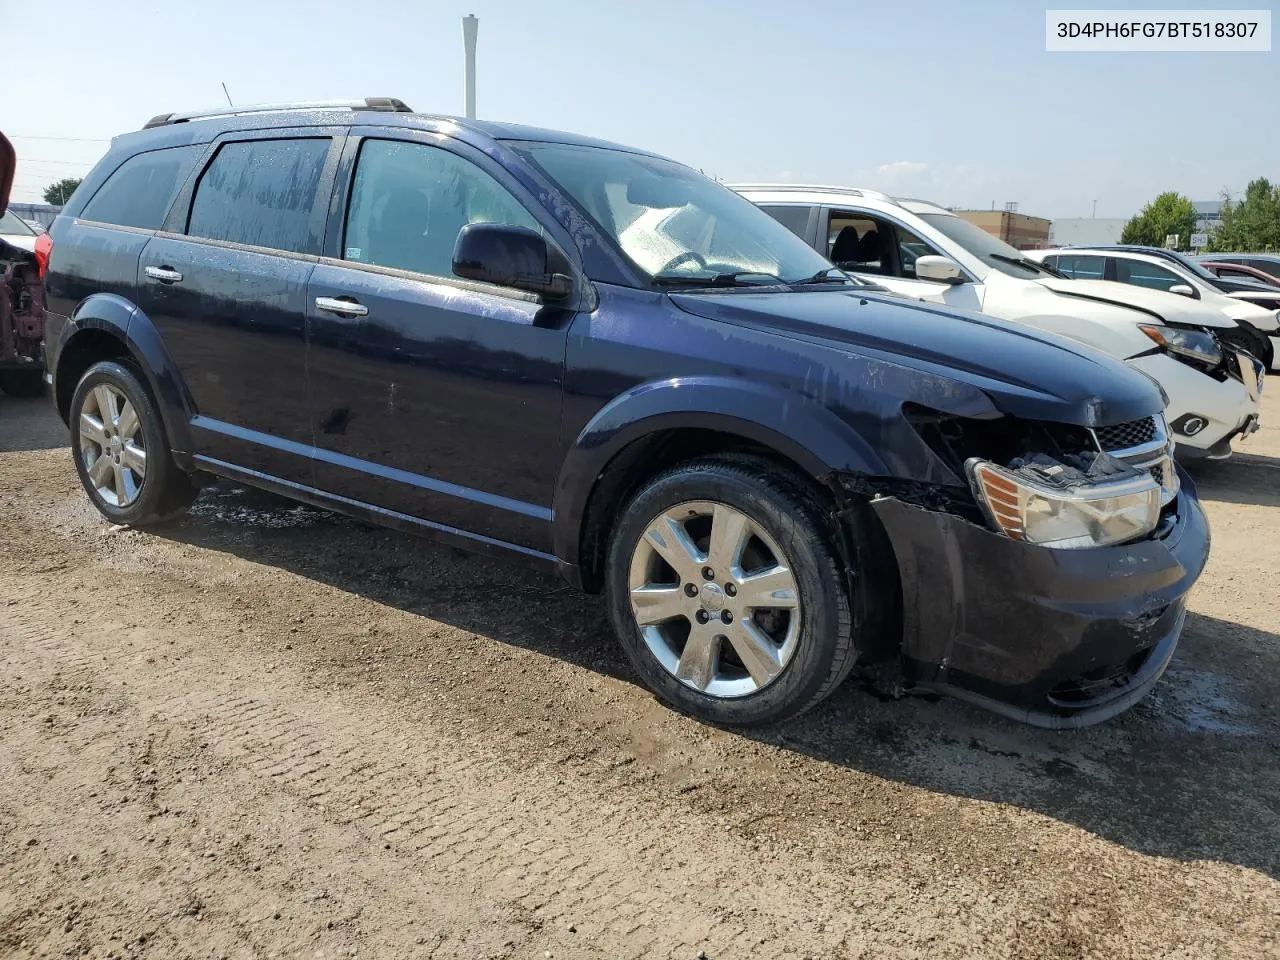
[
  {"x": 795, "y": 427},
  {"x": 113, "y": 314}
]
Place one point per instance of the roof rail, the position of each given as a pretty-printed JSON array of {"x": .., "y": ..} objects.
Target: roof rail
[
  {"x": 381, "y": 104},
  {"x": 812, "y": 188}
]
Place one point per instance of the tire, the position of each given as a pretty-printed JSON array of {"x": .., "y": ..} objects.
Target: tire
[
  {"x": 22, "y": 383},
  {"x": 127, "y": 494},
  {"x": 804, "y": 660}
]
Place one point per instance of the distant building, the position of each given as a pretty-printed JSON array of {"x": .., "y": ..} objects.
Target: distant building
[
  {"x": 1085, "y": 231},
  {"x": 1208, "y": 215},
  {"x": 39, "y": 212},
  {"x": 1019, "y": 230}
]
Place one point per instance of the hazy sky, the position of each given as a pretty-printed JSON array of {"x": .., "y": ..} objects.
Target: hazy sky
[{"x": 949, "y": 101}]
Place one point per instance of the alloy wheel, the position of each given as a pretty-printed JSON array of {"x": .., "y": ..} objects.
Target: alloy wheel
[
  {"x": 112, "y": 445},
  {"x": 715, "y": 599}
]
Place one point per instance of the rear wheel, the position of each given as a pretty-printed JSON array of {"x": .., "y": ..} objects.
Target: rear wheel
[
  {"x": 22, "y": 383},
  {"x": 727, "y": 595},
  {"x": 120, "y": 449}
]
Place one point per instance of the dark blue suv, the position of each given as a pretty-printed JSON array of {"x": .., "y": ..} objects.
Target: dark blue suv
[{"x": 540, "y": 345}]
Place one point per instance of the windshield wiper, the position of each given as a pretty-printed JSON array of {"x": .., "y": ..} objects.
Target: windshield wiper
[
  {"x": 719, "y": 280},
  {"x": 822, "y": 277},
  {"x": 1026, "y": 262}
]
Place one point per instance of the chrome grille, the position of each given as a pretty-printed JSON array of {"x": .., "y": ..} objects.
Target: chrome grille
[
  {"x": 1122, "y": 436},
  {"x": 1143, "y": 444}
]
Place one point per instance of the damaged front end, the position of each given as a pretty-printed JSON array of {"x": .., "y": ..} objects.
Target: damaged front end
[
  {"x": 21, "y": 311},
  {"x": 1049, "y": 583}
]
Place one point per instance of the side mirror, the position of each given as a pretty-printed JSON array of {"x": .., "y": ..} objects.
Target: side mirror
[
  {"x": 941, "y": 269},
  {"x": 508, "y": 256},
  {"x": 1183, "y": 290}
]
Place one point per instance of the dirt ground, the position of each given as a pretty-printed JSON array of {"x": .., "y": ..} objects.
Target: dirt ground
[{"x": 265, "y": 731}]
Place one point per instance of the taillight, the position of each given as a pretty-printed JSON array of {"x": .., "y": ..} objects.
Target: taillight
[{"x": 44, "y": 247}]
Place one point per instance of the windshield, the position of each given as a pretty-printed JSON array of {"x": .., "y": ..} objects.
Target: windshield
[
  {"x": 11, "y": 226},
  {"x": 992, "y": 251},
  {"x": 676, "y": 225}
]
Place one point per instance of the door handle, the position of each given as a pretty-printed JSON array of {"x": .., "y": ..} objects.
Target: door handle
[
  {"x": 345, "y": 308},
  {"x": 164, "y": 274}
]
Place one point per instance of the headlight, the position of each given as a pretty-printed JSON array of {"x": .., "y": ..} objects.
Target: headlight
[
  {"x": 1197, "y": 345},
  {"x": 1067, "y": 517}
]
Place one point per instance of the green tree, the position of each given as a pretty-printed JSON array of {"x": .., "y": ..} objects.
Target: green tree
[
  {"x": 59, "y": 193},
  {"x": 1253, "y": 224},
  {"x": 1168, "y": 213}
]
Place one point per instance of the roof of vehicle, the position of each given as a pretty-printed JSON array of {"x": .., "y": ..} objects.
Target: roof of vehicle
[
  {"x": 382, "y": 111},
  {"x": 825, "y": 193},
  {"x": 1231, "y": 257},
  {"x": 1148, "y": 254}
]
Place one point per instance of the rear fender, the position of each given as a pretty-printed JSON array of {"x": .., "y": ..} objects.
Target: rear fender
[
  {"x": 113, "y": 314},
  {"x": 795, "y": 427}
]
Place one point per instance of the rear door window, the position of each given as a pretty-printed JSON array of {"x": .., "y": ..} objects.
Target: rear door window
[
  {"x": 262, "y": 193},
  {"x": 1080, "y": 267},
  {"x": 141, "y": 190}
]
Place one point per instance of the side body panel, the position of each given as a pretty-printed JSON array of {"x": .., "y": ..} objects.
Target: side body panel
[
  {"x": 442, "y": 400},
  {"x": 638, "y": 364},
  {"x": 235, "y": 327}
]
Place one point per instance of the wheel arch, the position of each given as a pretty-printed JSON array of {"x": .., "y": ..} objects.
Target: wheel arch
[
  {"x": 656, "y": 425},
  {"x": 106, "y": 327}
]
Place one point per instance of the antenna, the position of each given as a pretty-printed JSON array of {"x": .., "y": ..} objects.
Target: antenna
[
  {"x": 227, "y": 95},
  {"x": 470, "y": 27}
]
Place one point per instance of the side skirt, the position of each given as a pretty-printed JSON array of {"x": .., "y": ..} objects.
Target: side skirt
[{"x": 451, "y": 536}]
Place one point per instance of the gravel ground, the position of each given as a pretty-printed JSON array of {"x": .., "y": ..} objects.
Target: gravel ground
[{"x": 267, "y": 731}]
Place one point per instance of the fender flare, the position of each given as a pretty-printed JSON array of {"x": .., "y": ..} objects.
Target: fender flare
[
  {"x": 115, "y": 315},
  {"x": 797, "y": 427}
]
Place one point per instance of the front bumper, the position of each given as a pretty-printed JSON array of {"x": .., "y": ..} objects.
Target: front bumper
[
  {"x": 1056, "y": 638},
  {"x": 1226, "y": 405}
]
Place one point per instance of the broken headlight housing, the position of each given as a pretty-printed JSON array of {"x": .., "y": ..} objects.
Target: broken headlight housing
[
  {"x": 1186, "y": 343},
  {"x": 1042, "y": 501}
]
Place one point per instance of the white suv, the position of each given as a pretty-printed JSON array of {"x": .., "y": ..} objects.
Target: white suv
[
  {"x": 924, "y": 251},
  {"x": 1258, "y": 325}
]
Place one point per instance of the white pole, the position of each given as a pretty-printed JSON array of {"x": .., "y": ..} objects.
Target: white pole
[{"x": 470, "y": 26}]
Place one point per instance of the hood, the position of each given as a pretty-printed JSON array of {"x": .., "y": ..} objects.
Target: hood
[
  {"x": 8, "y": 163},
  {"x": 1158, "y": 304},
  {"x": 1027, "y": 373}
]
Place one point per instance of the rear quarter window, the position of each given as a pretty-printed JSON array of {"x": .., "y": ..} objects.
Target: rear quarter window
[
  {"x": 141, "y": 190},
  {"x": 262, "y": 193}
]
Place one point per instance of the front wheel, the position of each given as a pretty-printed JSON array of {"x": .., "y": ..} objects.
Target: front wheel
[
  {"x": 120, "y": 449},
  {"x": 727, "y": 594}
]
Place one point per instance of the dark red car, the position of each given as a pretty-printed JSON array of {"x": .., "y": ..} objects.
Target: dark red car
[
  {"x": 24, "y": 259},
  {"x": 1239, "y": 271}
]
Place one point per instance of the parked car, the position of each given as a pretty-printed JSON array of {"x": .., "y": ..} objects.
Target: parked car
[
  {"x": 23, "y": 258},
  {"x": 1251, "y": 291},
  {"x": 1258, "y": 325},
  {"x": 1212, "y": 390},
  {"x": 547, "y": 347},
  {"x": 17, "y": 232},
  {"x": 1239, "y": 271},
  {"x": 1268, "y": 263}
]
